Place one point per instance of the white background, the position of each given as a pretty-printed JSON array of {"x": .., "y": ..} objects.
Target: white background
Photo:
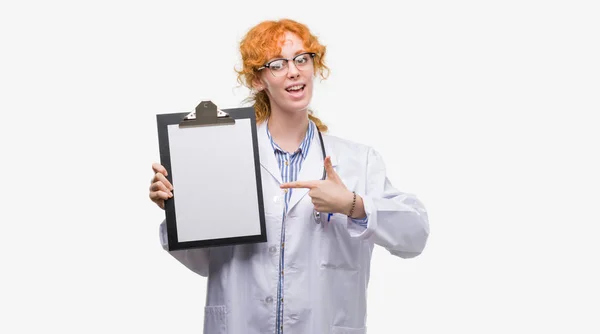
[{"x": 484, "y": 109}]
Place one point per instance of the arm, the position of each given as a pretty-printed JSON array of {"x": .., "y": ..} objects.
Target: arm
[
  {"x": 396, "y": 220},
  {"x": 194, "y": 259}
]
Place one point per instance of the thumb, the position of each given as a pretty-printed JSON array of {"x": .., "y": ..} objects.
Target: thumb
[{"x": 331, "y": 174}]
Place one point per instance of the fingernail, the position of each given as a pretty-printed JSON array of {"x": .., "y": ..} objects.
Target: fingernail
[{"x": 170, "y": 194}]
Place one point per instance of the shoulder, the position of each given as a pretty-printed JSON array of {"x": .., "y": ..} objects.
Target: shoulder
[
  {"x": 344, "y": 143},
  {"x": 348, "y": 149}
]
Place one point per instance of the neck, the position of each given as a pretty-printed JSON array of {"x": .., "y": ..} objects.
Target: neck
[{"x": 288, "y": 129}]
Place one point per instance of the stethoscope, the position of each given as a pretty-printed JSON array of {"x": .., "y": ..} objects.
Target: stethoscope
[{"x": 316, "y": 214}]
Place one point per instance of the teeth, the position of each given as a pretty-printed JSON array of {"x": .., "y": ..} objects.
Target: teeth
[{"x": 298, "y": 87}]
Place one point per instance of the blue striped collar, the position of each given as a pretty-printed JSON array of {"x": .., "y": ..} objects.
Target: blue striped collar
[{"x": 304, "y": 145}]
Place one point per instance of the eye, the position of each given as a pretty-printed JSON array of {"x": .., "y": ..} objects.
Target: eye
[
  {"x": 277, "y": 65},
  {"x": 302, "y": 59}
]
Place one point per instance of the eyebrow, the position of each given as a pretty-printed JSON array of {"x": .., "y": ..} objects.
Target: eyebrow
[{"x": 279, "y": 56}]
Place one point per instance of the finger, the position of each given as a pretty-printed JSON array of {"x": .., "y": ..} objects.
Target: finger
[
  {"x": 331, "y": 174},
  {"x": 159, "y": 186},
  {"x": 158, "y": 168},
  {"x": 300, "y": 184},
  {"x": 156, "y": 196},
  {"x": 161, "y": 178}
]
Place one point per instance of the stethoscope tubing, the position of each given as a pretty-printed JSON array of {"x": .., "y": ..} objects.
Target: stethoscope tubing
[{"x": 316, "y": 214}]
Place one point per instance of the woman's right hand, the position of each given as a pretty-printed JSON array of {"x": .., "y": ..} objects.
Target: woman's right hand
[{"x": 160, "y": 188}]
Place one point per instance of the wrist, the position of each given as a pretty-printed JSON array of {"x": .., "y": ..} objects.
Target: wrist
[
  {"x": 359, "y": 209},
  {"x": 352, "y": 206}
]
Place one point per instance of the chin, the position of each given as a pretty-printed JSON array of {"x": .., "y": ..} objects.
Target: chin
[{"x": 299, "y": 106}]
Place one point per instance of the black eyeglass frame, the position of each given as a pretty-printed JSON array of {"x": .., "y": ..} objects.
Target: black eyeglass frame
[{"x": 268, "y": 65}]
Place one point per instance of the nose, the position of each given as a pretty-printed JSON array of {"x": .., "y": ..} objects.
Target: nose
[{"x": 293, "y": 71}]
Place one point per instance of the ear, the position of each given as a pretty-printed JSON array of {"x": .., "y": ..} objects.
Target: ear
[{"x": 258, "y": 84}]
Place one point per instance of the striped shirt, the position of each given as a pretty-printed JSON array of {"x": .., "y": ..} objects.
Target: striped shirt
[{"x": 289, "y": 165}]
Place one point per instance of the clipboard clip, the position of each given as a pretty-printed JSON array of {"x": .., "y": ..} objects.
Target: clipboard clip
[{"x": 206, "y": 113}]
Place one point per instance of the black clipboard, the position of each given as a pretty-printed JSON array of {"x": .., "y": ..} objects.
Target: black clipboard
[{"x": 204, "y": 233}]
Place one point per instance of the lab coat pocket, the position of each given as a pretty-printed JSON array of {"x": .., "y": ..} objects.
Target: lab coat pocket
[
  {"x": 346, "y": 330},
  {"x": 215, "y": 319},
  {"x": 338, "y": 250}
]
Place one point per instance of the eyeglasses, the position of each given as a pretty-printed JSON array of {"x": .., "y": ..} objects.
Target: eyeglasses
[{"x": 279, "y": 67}]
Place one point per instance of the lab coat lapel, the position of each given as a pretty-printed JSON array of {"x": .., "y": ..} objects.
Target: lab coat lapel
[
  {"x": 312, "y": 167},
  {"x": 267, "y": 155}
]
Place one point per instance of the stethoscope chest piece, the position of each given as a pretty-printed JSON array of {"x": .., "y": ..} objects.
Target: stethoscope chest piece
[{"x": 317, "y": 216}]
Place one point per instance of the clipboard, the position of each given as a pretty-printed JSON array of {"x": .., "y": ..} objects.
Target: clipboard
[{"x": 213, "y": 163}]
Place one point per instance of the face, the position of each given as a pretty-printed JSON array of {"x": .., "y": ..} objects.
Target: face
[{"x": 289, "y": 92}]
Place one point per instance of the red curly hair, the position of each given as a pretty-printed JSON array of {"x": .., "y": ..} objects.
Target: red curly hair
[{"x": 264, "y": 42}]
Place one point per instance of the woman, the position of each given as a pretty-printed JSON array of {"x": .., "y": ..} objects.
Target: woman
[{"x": 311, "y": 275}]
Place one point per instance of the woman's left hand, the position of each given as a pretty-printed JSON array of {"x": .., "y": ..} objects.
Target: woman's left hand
[{"x": 329, "y": 195}]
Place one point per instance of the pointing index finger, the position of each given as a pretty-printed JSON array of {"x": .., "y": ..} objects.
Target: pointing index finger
[{"x": 300, "y": 184}]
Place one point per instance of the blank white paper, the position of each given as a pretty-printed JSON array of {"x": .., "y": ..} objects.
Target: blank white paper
[{"x": 214, "y": 181}]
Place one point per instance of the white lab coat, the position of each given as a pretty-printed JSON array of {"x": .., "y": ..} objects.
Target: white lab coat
[{"x": 327, "y": 265}]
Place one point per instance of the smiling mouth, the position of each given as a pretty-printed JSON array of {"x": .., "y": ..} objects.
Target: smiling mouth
[{"x": 296, "y": 88}]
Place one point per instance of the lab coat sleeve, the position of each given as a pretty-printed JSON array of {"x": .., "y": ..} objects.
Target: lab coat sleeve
[
  {"x": 195, "y": 259},
  {"x": 397, "y": 221},
  {"x": 363, "y": 222}
]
